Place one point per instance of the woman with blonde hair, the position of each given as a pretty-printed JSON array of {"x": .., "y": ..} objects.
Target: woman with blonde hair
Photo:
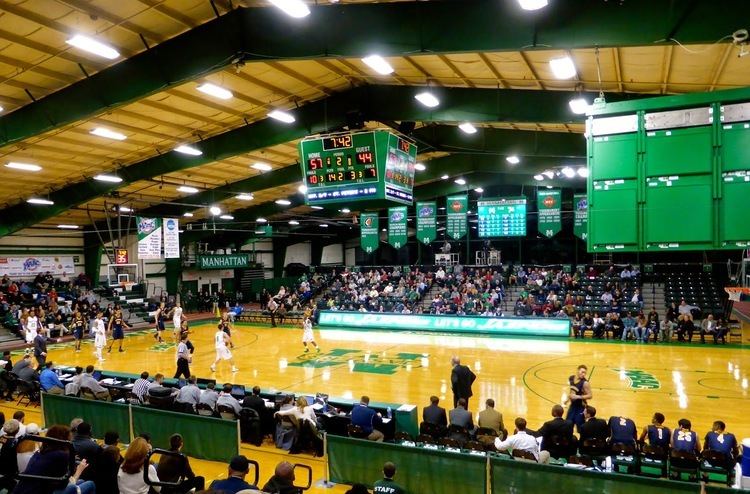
[
  {"x": 130, "y": 477},
  {"x": 301, "y": 411}
]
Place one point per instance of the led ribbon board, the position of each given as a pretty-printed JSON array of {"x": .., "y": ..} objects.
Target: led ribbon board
[{"x": 347, "y": 167}]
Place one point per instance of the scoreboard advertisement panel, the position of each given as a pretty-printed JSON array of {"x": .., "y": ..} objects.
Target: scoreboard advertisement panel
[
  {"x": 502, "y": 217},
  {"x": 359, "y": 166}
]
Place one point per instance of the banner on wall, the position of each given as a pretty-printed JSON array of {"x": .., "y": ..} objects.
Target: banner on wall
[
  {"x": 397, "y": 232},
  {"x": 456, "y": 208},
  {"x": 171, "y": 238},
  {"x": 149, "y": 238},
  {"x": 426, "y": 222},
  {"x": 30, "y": 266},
  {"x": 548, "y": 205},
  {"x": 369, "y": 232},
  {"x": 581, "y": 216}
]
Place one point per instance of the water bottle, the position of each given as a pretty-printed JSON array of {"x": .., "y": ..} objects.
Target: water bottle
[{"x": 388, "y": 412}]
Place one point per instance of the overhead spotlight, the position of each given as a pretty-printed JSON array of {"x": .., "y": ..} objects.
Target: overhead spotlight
[
  {"x": 568, "y": 172},
  {"x": 283, "y": 202},
  {"x": 562, "y": 68},
  {"x": 445, "y": 177},
  {"x": 324, "y": 225},
  {"x": 579, "y": 106},
  {"x": 93, "y": 46},
  {"x": 292, "y": 8},
  {"x": 378, "y": 64},
  {"x": 513, "y": 160},
  {"x": 533, "y": 4},
  {"x": 215, "y": 210},
  {"x": 346, "y": 210},
  {"x": 420, "y": 167},
  {"x": 189, "y": 150},
  {"x": 549, "y": 186},
  {"x": 460, "y": 181},
  {"x": 125, "y": 209},
  {"x": 39, "y": 201},
  {"x": 108, "y": 178},
  {"x": 427, "y": 99},
  {"x": 538, "y": 177},
  {"x": 479, "y": 190},
  {"x": 188, "y": 215},
  {"x": 215, "y": 91},
  {"x": 1, "y": 109},
  {"x": 548, "y": 173},
  {"x": 187, "y": 189},
  {"x": 263, "y": 167},
  {"x": 226, "y": 217},
  {"x": 583, "y": 172},
  {"x": 293, "y": 222},
  {"x": 245, "y": 197},
  {"x": 468, "y": 128},
  {"x": 282, "y": 116},
  {"x": 261, "y": 220},
  {"x": 302, "y": 189}
]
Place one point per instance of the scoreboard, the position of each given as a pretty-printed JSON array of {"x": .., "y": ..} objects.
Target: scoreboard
[
  {"x": 502, "y": 217},
  {"x": 358, "y": 166}
]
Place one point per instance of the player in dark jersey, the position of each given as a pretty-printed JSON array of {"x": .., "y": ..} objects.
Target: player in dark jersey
[
  {"x": 226, "y": 326},
  {"x": 185, "y": 330},
  {"x": 623, "y": 430},
  {"x": 579, "y": 393},
  {"x": 656, "y": 433},
  {"x": 79, "y": 327},
  {"x": 159, "y": 317},
  {"x": 116, "y": 328}
]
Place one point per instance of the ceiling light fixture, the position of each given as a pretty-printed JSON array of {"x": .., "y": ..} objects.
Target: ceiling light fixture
[
  {"x": 460, "y": 181},
  {"x": 1, "y": 109},
  {"x": 562, "y": 68},
  {"x": 548, "y": 186},
  {"x": 316, "y": 207},
  {"x": 261, "y": 220},
  {"x": 103, "y": 177},
  {"x": 109, "y": 134},
  {"x": 378, "y": 64},
  {"x": 302, "y": 189},
  {"x": 579, "y": 106},
  {"x": 283, "y": 202},
  {"x": 93, "y": 46},
  {"x": 189, "y": 150},
  {"x": 548, "y": 173},
  {"x": 324, "y": 225},
  {"x": 188, "y": 215},
  {"x": 226, "y": 217},
  {"x": 427, "y": 99},
  {"x": 538, "y": 177},
  {"x": 68, "y": 227},
  {"x": 445, "y": 177},
  {"x": 282, "y": 116},
  {"x": 245, "y": 197},
  {"x": 27, "y": 167},
  {"x": 215, "y": 91},
  {"x": 263, "y": 167},
  {"x": 468, "y": 128},
  {"x": 214, "y": 210},
  {"x": 420, "y": 167},
  {"x": 187, "y": 189},
  {"x": 513, "y": 160},
  {"x": 125, "y": 209},
  {"x": 42, "y": 202},
  {"x": 533, "y": 4},
  {"x": 479, "y": 190},
  {"x": 583, "y": 172},
  {"x": 568, "y": 172},
  {"x": 293, "y": 222},
  {"x": 346, "y": 210},
  {"x": 292, "y": 8}
]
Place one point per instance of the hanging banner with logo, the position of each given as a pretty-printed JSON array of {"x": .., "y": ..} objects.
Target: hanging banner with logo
[
  {"x": 149, "y": 238},
  {"x": 30, "y": 266},
  {"x": 581, "y": 216},
  {"x": 426, "y": 222},
  {"x": 456, "y": 207},
  {"x": 397, "y": 232},
  {"x": 369, "y": 232},
  {"x": 548, "y": 204},
  {"x": 171, "y": 238}
]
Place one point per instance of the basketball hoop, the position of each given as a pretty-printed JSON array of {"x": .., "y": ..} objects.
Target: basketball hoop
[{"x": 737, "y": 293}]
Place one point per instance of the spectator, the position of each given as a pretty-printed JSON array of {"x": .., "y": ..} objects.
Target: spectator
[
  {"x": 26, "y": 448},
  {"x": 88, "y": 381},
  {"x": 24, "y": 370},
  {"x": 657, "y": 434},
  {"x": 190, "y": 393},
  {"x": 209, "y": 396},
  {"x": 157, "y": 388},
  {"x": 523, "y": 441},
  {"x": 130, "y": 477},
  {"x": 52, "y": 460},
  {"x": 108, "y": 464},
  {"x": 708, "y": 327},
  {"x": 461, "y": 417},
  {"x": 20, "y": 416},
  {"x": 226, "y": 399},
  {"x": 358, "y": 489},
  {"x": 49, "y": 380},
  {"x": 369, "y": 420},
  {"x": 282, "y": 481},
  {"x": 239, "y": 466},
  {"x": 434, "y": 414},
  {"x": 557, "y": 430},
  {"x": 593, "y": 428},
  {"x": 84, "y": 445},
  {"x": 301, "y": 412},
  {"x": 491, "y": 418},
  {"x": 255, "y": 402},
  {"x": 177, "y": 468},
  {"x": 387, "y": 485}
]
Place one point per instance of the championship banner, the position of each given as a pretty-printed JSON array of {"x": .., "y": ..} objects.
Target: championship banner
[
  {"x": 581, "y": 216},
  {"x": 397, "y": 233},
  {"x": 149, "y": 238},
  {"x": 30, "y": 266},
  {"x": 369, "y": 232},
  {"x": 171, "y": 238},
  {"x": 426, "y": 222},
  {"x": 456, "y": 207},
  {"x": 548, "y": 204}
]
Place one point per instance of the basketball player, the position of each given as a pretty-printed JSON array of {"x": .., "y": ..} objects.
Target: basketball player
[
  {"x": 159, "y": 317},
  {"x": 116, "y": 325},
  {"x": 79, "y": 326},
  {"x": 307, "y": 335},
  {"x": 226, "y": 326},
  {"x": 177, "y": 319},
  {"x": 32, "y": 326},
  {"x": 222, "y": 342},
  {"x": 580, "y": 391},
  {"x": 100, "y": 336}
]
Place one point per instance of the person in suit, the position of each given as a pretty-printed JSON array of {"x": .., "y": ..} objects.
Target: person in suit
[
  {"x": 593, "y": 428},
  {"x": 461, "y": 380},
  {"x": 435, "y": 414},
  {"x": 40, "y": 349},
  {"x": 491, "y": 418},
  {"x": 557, "y": 428},
  {"x": 461, "y": 417},
  {"x": 254, "y": 401},
  {"x": 368, "y": 419}
]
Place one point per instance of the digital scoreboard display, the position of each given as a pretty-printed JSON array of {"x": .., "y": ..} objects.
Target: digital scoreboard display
[
  {"x": 502, "y": 217},
  {"x": 356, "y": 166}
]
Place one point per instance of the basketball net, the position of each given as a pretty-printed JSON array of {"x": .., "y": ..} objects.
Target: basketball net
[{"x": 737, "y": 293}]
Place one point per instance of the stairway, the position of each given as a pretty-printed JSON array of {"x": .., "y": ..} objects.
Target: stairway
[
  {"x": 653, "y": 296},
  {"x": 133, "y": 304}
]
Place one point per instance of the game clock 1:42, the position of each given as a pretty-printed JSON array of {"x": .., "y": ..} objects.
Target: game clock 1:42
[{"x": 339, "y": 161}]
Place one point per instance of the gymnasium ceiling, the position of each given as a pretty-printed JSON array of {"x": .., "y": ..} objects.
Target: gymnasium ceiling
[{"x": 487, "y": 60}]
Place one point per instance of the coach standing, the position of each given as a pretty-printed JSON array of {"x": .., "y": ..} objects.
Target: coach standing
[{"x": 461, "y": 380}]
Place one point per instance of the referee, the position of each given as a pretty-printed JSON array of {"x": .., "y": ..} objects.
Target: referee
[{"x": 183, "y": 357}]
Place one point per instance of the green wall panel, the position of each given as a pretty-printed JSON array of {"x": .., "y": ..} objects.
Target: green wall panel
[
  {"x": 615, "y": 157},
  {"x": 103, "y": 415},
  {"x": 678, "y": 151},
  {"x": 668, "y": 202},
  {"x": 733, "y": 221},
  {"x": 613, "y": 215},
  {"x": 735, "y": 147}
]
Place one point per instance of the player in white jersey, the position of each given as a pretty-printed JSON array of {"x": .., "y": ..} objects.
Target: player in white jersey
[
  {"x": 307, "y": 335},
  {"x": 100, "y": 335},
  {"x": 222, "y": 342},
  {"x": 177, "y": 320},
  {"x": 32, "y": 327}
]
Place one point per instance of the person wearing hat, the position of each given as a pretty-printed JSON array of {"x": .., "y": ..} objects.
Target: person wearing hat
[{"x": 239, "y": 466}]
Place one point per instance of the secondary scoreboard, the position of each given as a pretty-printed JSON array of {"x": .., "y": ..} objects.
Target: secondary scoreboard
[
  {"x": 502, "y": 217},
  {"x": 358, "y": 166}
]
